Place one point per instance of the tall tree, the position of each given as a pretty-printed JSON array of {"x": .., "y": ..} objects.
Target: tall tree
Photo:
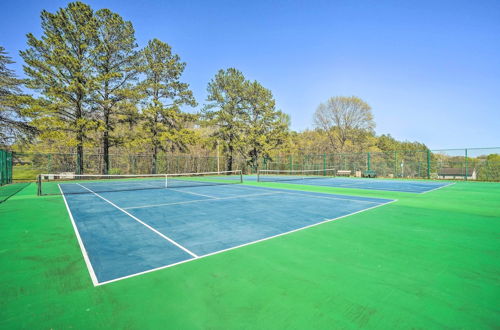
[
  {"x": 266, "y": 128},
  {"x": 13, "y": 123},
  {"x": 60, "y": 67},
  {"x": 342, "y": 118},
  {"x": 116, "y": 61},
  {"x": 165, "y": 126},
  {"x": 225, "y": 110}
]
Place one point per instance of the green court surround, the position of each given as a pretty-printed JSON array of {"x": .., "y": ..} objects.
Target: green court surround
[{"x": 426, "y": 261}]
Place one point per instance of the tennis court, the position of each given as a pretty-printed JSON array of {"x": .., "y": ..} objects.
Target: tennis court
[
  {"x": 326, "y": 178},
  {"x": 127, "y": 228}
]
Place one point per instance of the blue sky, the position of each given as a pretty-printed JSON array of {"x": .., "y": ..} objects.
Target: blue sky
[{"x": 429, "y": 69}]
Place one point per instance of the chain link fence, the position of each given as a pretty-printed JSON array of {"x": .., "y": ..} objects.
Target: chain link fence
[
  {"x": 7, "y": 188},
  {"x": 5, "y": 167},
  {"x": 480, "y": 164},
  {"x": 27, "y": 166}
]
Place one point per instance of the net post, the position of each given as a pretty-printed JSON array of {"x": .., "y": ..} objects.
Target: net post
[
  {"x": 241, "y": 176},
  {"x": 258, "y": 175}
]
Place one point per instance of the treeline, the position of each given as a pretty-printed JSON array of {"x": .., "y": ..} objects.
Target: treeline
[{"x": 90, "y": 87}]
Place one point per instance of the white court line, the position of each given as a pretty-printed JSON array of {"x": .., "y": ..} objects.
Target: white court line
[
  {"x": 411, "y": 192},
  {"x": 365, "y": 186},
  {"x": 142, "y": 222},
  {"x": 343, "y": 199},
  {"x": 364, "y": 182},
  {"x": 449, "y": 184},
  {"x": 200, "y": 200},
  {"x": 344, "y": 184},
  {"x": 192, "y": 193},
  {"x": 242, "y": 245},
  {"x": 305, "y": 193},
  {"x": 80, "y": 242}
]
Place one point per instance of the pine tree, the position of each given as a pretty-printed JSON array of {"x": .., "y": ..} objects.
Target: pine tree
[
  {"x": 13, "y": 124},
  {"x": 244, "y": 117},
  {"x": 225, "y": 111},
  {"x": 116, "y": 62},
  {"x": 266, "y": 128},
  {"x": 165, "y": 127},
  {"x": 60, "y": 68}
]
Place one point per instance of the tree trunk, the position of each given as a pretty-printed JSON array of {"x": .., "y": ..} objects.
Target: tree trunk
[
  {"x": 79, "y": 139},
  {"x": 230, "y": 159},
  {"x": 155, "y": 159},
  {"x": 79, "y": 156},
  {"x": 105, "y": 143},
  {"x": 107, "y": 128},
  {"x": 105, "y": 152},
  {"x": 255, "y": 160}
]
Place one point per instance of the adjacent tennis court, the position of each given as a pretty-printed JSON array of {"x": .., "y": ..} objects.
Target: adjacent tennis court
[
  {"x": 131, "y": 225},
  {"x": 327, "y": 178}
]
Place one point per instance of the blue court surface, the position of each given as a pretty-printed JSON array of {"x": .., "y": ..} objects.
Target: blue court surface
[
  {"x": 126, "y": 233},
  {"x": 418, "y": 187}
]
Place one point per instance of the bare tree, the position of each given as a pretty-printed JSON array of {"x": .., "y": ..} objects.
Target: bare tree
[{"x": 344, "y": 118}]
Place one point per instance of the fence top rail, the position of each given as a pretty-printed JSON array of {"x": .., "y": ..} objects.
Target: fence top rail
[{"x": 111, "y": 155}]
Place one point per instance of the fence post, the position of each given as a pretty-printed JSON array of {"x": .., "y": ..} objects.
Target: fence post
[
  {"x": 291, "y": 163},
  {"x": 49, "y": 164},
  {"x": 324, "y": 163},
  {"x": 428, "y": 164},
  {"x": 368, "y": 161},
  {"x": 3, "y": 167},
  {"x": 395, "y": 164},
  {"x": 466, "y": 166},
  {"x": 218, "y": 155},
  {"x": 11, "y": 167}
]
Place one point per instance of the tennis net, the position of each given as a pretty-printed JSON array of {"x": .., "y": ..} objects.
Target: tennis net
[
  {"x": 291, "y": 175},
  {"x": 70, "y": 183}
]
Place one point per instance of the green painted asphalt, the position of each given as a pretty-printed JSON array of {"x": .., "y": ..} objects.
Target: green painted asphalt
[{"x": 426, "y": 261}]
